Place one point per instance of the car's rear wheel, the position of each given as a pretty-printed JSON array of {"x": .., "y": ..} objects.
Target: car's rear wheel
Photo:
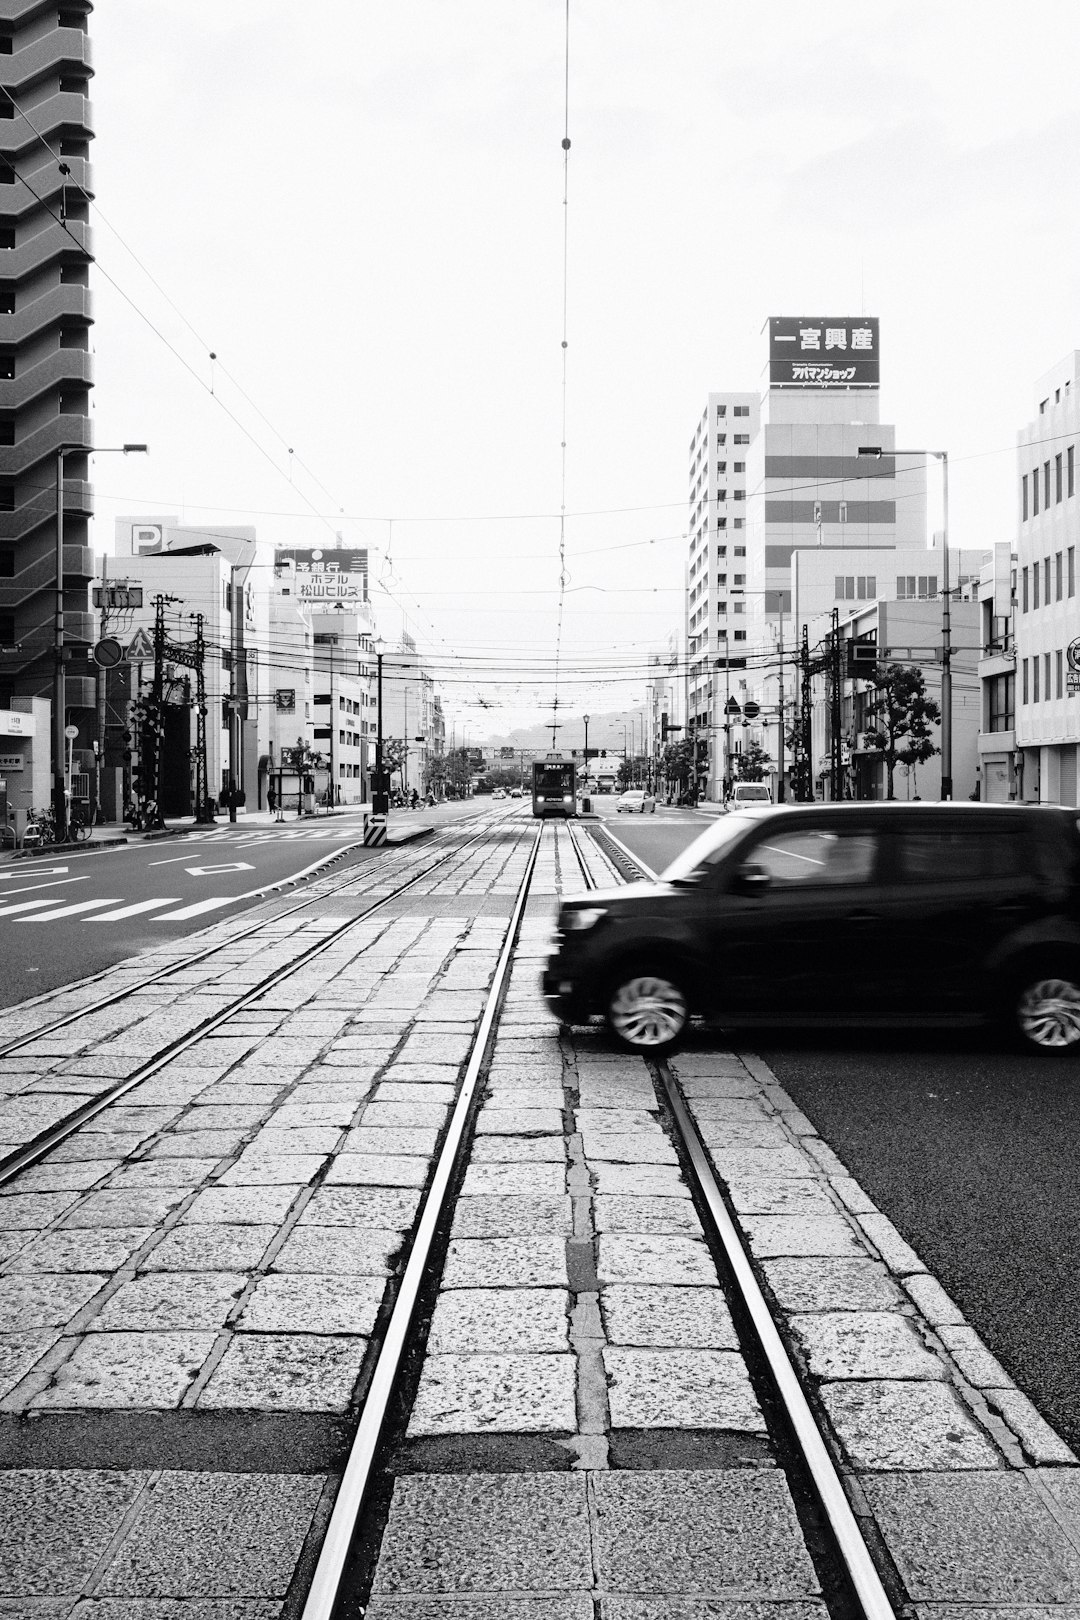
[
  {"x": 647, "y": 1011},
  {"x": 1046, "y": 1008}
]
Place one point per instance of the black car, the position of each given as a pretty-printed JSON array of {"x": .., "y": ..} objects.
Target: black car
[{"x": 870, "y": 914}]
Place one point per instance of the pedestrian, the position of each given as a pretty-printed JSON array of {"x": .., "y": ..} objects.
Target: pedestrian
[{"x": 271, "y": 799}]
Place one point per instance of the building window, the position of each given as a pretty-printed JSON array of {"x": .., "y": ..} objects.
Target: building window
[
  {"x": 7, "y": 563},
  {"x": 7, "y": 175},
  {"x": 845, "y": 587},
  {"x": 7, "y": 497},
  {"x": 721, "y": 438},
  {"x": 1023, "y": 590},
  {"x": 1071, "y": 570},
  {"x": 740, "y": 494},
  {"x": 1024, "y": 681},
  {"x": 916, "y": 587},
  {"x": 1034, "y": 585},
  {"x": 721, "y": 523},
  {"x": 740, "y": 551},
  {"x": 1046, "y": 483},
  {"x": 721, "y": 412},
  {"x": 742, "y": 438},
  {"x": 1059, "y": 687},
  {"x": 738, "y": 607},
  {"x": 721, "y": 468},
  {"x": 7, "y": 109},
  {"x": 740, "y": 466},
  {"x": 1023, "y": 499},
  {"x": 7, "y": 430},
  {"x": 1002, "y": 690},
  {"x": 72, "y": 85},
  {"x": 1057, "y": 479},
  {"x": 1035, "y": 680},
  {"x": 1046, "y": 672},
  {"x": 1035, "y": 492},
  {"x": 740, "y": 635},
  {"x": 7, "y": 233},
  {"x": 721, "y": 494},
  {"x": 738, "y": 523},
  {"x": 1070, "y": 471},
  {"x": 1058, "y": 578},
  {"x": 7, "y": 45},
  {"x": 742, "y": 410}
]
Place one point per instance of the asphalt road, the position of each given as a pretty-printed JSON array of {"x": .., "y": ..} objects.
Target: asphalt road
[
  {"x": 67, "y": 916},
  {"x": 969, "y": 1148}
]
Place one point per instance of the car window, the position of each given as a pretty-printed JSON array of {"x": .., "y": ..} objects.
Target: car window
[
  {"x": 807, "y": 857},
  {"x": 931, "y": 854}
]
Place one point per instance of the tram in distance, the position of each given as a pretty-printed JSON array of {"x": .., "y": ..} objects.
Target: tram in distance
[{"x": 554, "y": 787}]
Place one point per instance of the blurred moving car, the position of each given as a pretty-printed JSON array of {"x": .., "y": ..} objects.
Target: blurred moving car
[
  {"x": 515, "y": 793},
  {"x": 849, "y": 914},
  {"x": 744, "y": 793},
  {"x": 635, "y": 802}
]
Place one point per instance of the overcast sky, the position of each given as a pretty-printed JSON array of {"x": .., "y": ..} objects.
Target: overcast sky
[{"x": 358, "y": 208}]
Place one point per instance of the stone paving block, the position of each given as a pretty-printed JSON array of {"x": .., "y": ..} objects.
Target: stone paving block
[
  {"x": 51, "y": 1177},
  {"x": 413, "y": 1091},
  {"x": 103, "y": 1249},
  {"x": 313, "y": 1302},
  {"x": 900, "y": 1424},
  {"x": 974, "y": 1538},
  {"x": 122, "y": 1370},
  {"x": 386, "y": 1115},
  {"x": 195, "y": 1145},
  {"x": 99, "y": 1145},
  {"x": 170, "y": 1300},
  {"x": 744, "y": 1163},
  {"x": 722, "y": 1608},
  {"x": 519, "y": 1122},
  {"x": 422, "y": 1074},
  {"x": 1041, "y": 1443},
  {"x": 258, "y": 1169},
  {"x": 21, "y": 1351},
  {"x": 638, "y": 1180},
  {"x": 933, "y": 1302},
  {"x": 617, "y": 1092},
  {"x": 897, "y": 1255},
  {"x": 209, "y": 1246},
  {"x": 537, "y": 1261},
  {"x": 296, "y": 1115},
  {"x": 832, "y": 1285},
  {"x": 647, "y": 1258},
  {"x": 423, "y": 1046},
  {"x": 652, "y": 1148},
  {"x": 771, "y": 1196},
  {"x": 55, "y": 1524},
  {"x": 280, "y": 1372},
  {"x": 700, "y": 1532},
  {"x": 372, "y": 1170},
  {"x": 518, "y": 1150},
  {"x": 250, "y": 1206},
  {"x": 215, "y": 1534},
  {"x": 486, "y": 1533},
  {"x": 147, "y": 1206},
  {"x": 362, "y": 1207},
  {"x": 680, "y": 1389},
  {"x": 736, "y": 1111},
  {"x": 865, "y": 1344},
  {"x": 620, "y": 1121},
  {"x": 186, "y": 1174},
  {"x": 143, "y": 1121},
  {"x": 657, "y": 1317},
  {"x": 32, "y": 1212},
  {"x": 340, "y": 1250},
  {"x": 772, "y": 1235},
  {"x": 304, "y": 1140},
  {"x": 28, "y": 1303},
  {"x": 503, "y": 1216},
  {"x": 500, "y": 1095},
  {"x": 368, "y": 1139},
  {"x": 22, "y": 1118},
  {"x": 621, "y": 1213},
  {"x": 523, "y": 1180},
  {"x": 503, "y": 1393},
  {"x": 513, "y": 1320}
]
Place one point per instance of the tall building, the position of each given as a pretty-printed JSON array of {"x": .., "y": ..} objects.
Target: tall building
[
  {"x": 46, "y": 370},
  {"x": 1047, "y": 624}
]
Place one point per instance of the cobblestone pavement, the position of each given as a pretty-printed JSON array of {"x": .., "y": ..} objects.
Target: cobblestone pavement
[{"x": 191, "y": 1286}]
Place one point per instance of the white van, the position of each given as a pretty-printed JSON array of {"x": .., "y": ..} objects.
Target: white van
[{"x": 744, "y": 793}]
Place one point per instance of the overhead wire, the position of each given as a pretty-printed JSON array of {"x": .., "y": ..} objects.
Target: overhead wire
[{"x": 563, "y": 577}]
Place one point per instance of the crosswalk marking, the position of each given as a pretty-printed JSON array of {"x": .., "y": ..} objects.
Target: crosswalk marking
[
  {"x": 196, "y": 910},
  {"x": 72, "y": 911},
  {"x": 133, "y": 910},
  {"x": 26, "y": 905},
  {"x": 32, "y": 888}
]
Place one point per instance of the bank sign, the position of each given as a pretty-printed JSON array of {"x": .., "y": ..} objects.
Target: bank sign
[
  {"x": 823, "y": 351},
  {"x": 325, "y": 576}
]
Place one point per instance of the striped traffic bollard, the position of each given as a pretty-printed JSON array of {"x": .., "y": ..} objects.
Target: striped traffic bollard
[{"x": 375, "y": 830}]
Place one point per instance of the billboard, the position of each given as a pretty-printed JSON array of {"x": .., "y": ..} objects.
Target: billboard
[
  {"x": 333, "y": 575},
  {"x": 823, "y": 351}
]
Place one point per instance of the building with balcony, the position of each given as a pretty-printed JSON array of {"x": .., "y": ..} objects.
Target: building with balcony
[
  {"x": 1047, "y": 621},
  {"x": 46, "y": 370}
]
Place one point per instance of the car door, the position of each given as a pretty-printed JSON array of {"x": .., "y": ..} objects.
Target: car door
[{"x": 797, "y": 930}]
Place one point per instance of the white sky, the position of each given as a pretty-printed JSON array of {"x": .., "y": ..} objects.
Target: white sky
[{"x": 358, "y": 207}]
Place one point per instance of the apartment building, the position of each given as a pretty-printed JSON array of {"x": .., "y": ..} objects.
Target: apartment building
[
  {"x": 1047, "y": 621},
  {"x": 46, "y": 370}
]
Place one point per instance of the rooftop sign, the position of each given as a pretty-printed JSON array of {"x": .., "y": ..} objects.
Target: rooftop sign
[{"x": 823, "y": 351}]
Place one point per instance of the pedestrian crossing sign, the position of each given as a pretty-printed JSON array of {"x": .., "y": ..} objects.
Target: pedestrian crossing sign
[{"x": 140, "y": 648}]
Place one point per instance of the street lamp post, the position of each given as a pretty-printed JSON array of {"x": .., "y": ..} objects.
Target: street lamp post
[
  {"x": 60, "y": 817},
  {"x": 946, "y": 613}
]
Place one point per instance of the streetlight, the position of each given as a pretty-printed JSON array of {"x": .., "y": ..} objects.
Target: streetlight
[
  {"x": 59, "y": 684},
  {"x": 946, "y": 616}
]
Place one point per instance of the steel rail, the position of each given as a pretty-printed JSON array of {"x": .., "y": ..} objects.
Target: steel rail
[
  {"x": 356, "y": 1480},
  {"x": 824, "y": 1475},
  {"x": 32, "y": 1152},
  {"x": 375, "y": 869}
]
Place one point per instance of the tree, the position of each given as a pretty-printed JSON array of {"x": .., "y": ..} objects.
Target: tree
[
  {"x": 677, "y": 763},
  {"x": 753, "y": 764},
  {"x": 899, "y": 718}
]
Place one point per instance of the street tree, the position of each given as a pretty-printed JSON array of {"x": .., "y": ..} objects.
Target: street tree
[
  {"x": 900, "y": 718},
  {"x": 753, "y": 764},
  {"x": 677, "y": 764}
]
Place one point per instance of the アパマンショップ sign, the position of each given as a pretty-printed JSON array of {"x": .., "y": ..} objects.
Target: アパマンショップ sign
[{"x": 823, "y": 351}]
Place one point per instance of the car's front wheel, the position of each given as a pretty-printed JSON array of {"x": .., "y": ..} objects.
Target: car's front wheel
[
  {"x": 1046, "y": 1008},
  {"x": 647, "y": 1011}
]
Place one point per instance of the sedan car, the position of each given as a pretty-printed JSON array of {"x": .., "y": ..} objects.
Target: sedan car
[
  {"x": 635, "y": 802},
  {"x": 865, "y": 914}
]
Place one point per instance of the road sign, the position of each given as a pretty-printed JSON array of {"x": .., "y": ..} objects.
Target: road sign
[
  {"x": 751, "y": 710},
  {"x": 140, "y": 647},
  {"x": 108, "y": 653},
  {"x": 71, "y": 732}
]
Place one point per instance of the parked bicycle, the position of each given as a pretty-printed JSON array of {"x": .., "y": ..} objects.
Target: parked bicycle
[{"x": 41, "y": 829}]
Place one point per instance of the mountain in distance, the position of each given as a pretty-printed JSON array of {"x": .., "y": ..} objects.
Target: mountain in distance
[{"x": 605, "y": 731}]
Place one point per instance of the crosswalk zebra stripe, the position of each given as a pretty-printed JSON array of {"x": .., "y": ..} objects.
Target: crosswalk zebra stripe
[
  {"x": 71, "y": 911},
  {"x": 197, "y": 909},
  {"x": 133, "y": 910},
  {"x": 26, "y": 905}
]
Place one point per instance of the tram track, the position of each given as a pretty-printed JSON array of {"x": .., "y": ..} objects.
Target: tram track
[{"x": 33, "y": 1151}]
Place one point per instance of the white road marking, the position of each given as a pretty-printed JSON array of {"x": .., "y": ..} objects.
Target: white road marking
[
  {"x": 132, "y": 910},
  {"x": 32, "y": 888},
  {"x": 71, "y": 911},
  {"x": 197, "y": 909},
  {"x": 39, "y": 871},
  {"x": 170, "y": 862},
  {"x": 24, "y": 905},
  {"x": 228, "y": 866}
]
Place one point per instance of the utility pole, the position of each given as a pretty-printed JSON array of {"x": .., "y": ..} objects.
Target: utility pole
[
  {"x": 157, "y": 703},
  {"x": 836, "y": 744},
  {"x": 202, "y": 790},
  {"x": 780, "y": 794}
]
